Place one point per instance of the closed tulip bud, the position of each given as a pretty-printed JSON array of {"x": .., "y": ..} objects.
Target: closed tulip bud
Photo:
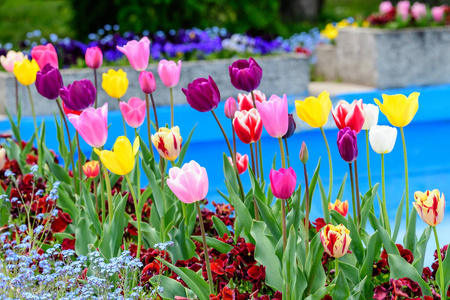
[
  {"x": 79, "y": 95},
  {"x": 418, "y": 11},
  {"x": 347, "y": 144},
  {"x": 438, "y": 13},
  {"x": 274, "y": 115},
  {"x": 241, "y": 162},
  {"x": 115, "y": 83},
  {"x": 133, "y": 112},
  {"x": 385, "y": 7},
  {"x": 190, "y": 183},
  {"x": 120, "y": 160},
  {"x": 248, "y": 125},
  {"x": 398, "y": 109},
  {"x": 304, "y": 155},
  {"x": 335, "y": 240},
  {"x": 147, "y": 82},
  {"x": 340, "y": 207},
  {"x": 49, "y": 82},
  {"x": 45, "y": 54},
  {"x": 283, "y": 182},
  {"x": 245, "y": 101},
  {"x": 430, "y": 206},
  {"x": 349, "y": 115},
  {"x": 10, "y": 58},
  {"x": 168, "y": 142},
  {"x": 230, "y": 108},
  {"x": 91, "y": 169},
  {"x": 137, "y": 52},
  {"x": 371, "y": 113},
  {"x": 26, "y": 71},
  {"x": 245, "y": 75},
  {"x": 403, "y": 9},
  {"x": 2, "y": 158},
  {"x": 382, "y": 138},
  {"x": 292, "y": 125},
  {"x": 202, "y": 94},
  {"x": 94, "y": 57},
  {"x": 169, "y": 72},
  {"x": 314, "y": 111},
  {"x": 92, "y": 125}
]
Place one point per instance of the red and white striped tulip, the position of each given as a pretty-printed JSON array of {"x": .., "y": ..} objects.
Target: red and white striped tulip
[
  {"x": 335, "y": 240},
  {"x": 248, "y": 125},
  {"x": 349, "y": 115},
  {"x": 430, "y": 206}
]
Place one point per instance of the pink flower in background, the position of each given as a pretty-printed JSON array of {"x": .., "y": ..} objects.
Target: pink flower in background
[
  {"x": 190, "y": 183},
  {"x": 274, "y": 115},
  {"x": 94, "y": 57},
  {"x": 418, "y": 11},
  {"x": 283, "y": 182},
  {"x": 403, "y": 9},
  {"x": 385, "y": 7},
  {"x": 92, "y": 125},
  {"x": 241, "y": 162},
  {"x": 45, "y": 55},
  {"x": 245, "y": 101},
  {"x": 230, "y": 108},
  {"x": 169, "y": 72},
  {"x": 147, "y": 82},
  {"x": 133, "y": 112},
  {"x": 438, "y": 13},
  {"x": 137, "y": 52},
  {"x": 10, "y": 58}
]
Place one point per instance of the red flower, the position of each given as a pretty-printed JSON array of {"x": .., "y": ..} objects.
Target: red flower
[
  {"x": 257, "y": 272},
  {"x": 405, "y": 253},
  {"x": 68, "y": 244},
  {"x": 248, "y": 125},
  {"x": 319, "y": 223},
  {"x": 60, "y": 223}
]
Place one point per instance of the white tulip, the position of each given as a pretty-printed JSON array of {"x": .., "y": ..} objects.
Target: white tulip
[
  {"x": 382, "y": 138},
  {"x": 2, "y": 158},
  {"x": 371, "y": 116}
]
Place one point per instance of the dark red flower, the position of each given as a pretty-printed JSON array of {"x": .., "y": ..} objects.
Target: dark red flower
[
  {"x": 257, "y": 272},
  {"x": 60, "y": 223},
  {"x": 319, "y": 224},
  {"x": 68, "y": 244},
  {"x": 405, "y": 253}
]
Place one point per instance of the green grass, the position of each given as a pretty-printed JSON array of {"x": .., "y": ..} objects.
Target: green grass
[{"x": 336, "y": 10}]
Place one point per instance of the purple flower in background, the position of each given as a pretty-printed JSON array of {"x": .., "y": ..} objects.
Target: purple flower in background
[{"x": 347, "y": 144}]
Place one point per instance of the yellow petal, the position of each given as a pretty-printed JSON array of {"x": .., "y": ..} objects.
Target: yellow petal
[
  {"x": 136, "y": 146},
  {"x": 111, "y": 162}
]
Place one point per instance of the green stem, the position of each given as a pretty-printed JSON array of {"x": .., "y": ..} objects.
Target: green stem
[
  {"x": 154, "y": 112},
  {"x": 123, "y": 120},
  {"x": 255, "y": 206},
  {"x": 287, "y": 153},
  {"x": 108, "y": 194},
  {"x": 256, "y": 160},
  {"x": 171, "y": 108},
  {"x": 147, "y": 106},
  {"x": 96, "y": 89},
  {"x": 205, "y": 249},
  {"x": 102, "y": 195},
  {"x": 336, "y": 266},
  {"x": 441, "y": 267},
  {"x": 163, "y": 222},
  {"x": 358, "y": 198},
  {"x": 283, "y": 158},
  {"x": 80, "y": 170},
  {"x": 353, "y": 191},
  {"x": 17, "y": 94},
  {"x": 383, "y": 192},
  {"x": 283, "y": 222},
  {"x": 406, "y": 176},
  {"x": 261, "y": 160},
  {"x": 33, "y": 112},
  {"x": 330, "y": 189},
  {"x": 138, "y": 214},
  {"x": 368, "y": 159},
  {"x": 307, "y": 209}
]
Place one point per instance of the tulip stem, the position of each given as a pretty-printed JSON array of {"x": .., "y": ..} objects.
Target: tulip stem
[
  {"x": 154, "y": 111},
  {"x": 79, "y": 160},
  {"x": 163, "y": 221},
  {"x": 283, "y": 223},
  {"x": 223, "y": 132},
  {"x": 307, "y": 209},
  {"x": 102, "y": 195},
  {"x": 205, "y": 249},
  {"x": 283, "y": 159},
  {"x": 108, "y": 194},
  {"x": 441, "y": 267},
  {"x": 353, "y": 191},
  {"x": 383, "y": 192},
  {"x": 138, "y": 215},
  {"x": 258, "y": 147},
  {"x": 96, "y": 89},
  {"x": 406, "y": 176},
  {"x": 95, "y": 195},
  {"x": 336, "y": 266},
  {"x": 171, "y": 108},
  {"x": 331, "y": 164},
  {"x": 261, "y": 160},
  {"x": 123, "y": 120},
  {"x": 38, "y": 140},
  {"x": 147, "y": 106},
  {"x": 358, "y": 198},
  {"x": 234, "y": 138},
  {"x": 256, "y": 160},
  {"x": 368, "y": 159},
  {"x": 255, "y": 206},
  {"x": 17, "y": 95},
  {"x": 287, "y": 153}
]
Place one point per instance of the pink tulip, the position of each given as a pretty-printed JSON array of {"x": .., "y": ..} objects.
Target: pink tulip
[
  {"x": 169, "y": 72},
  {"x": 190, "y": 183},
  {"x": 403, "y": 9},
  {"x": 385, "y": 7},
  {"x": 283, "y": 182},
  {"x": 147, "y": 82},
  {"x": 45, "y": 55},
  {"x": 94, "y": 57},
  {"x": 92, "y": 125},
  {"x": 274, "y": 115},
  {"x": 137, "y": 53},
  {"x": 230, "y": 108},
  {"x": 349, "y": 115},
  {"x": 241, "y": 162},
  {"x": 418, "y": 11},
  {"x": 133, "y": 112},
  {"x": 10, "y": 58},
  {"x": 245, "y": 101},
  {"x": 438, "y": 13}
]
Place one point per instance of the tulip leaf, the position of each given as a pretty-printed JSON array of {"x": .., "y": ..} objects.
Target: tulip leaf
[
  {"x": 398, "y": 218},
  {"x": 84, "y": 237},
  {"x": 294, "y": 280},
  {"x": 67, "y": 204},
  {"x": 14, "y": 153},
  {"x": 312, "y": 185},
  {"x": 146, "y": 154},
  {"x": 320, "y": 293},
  {"x": 184, "y": 247},
  {"x": 185, "y": 147},
  {"x": 149, "y": 234},
  {"x": 90, "y": 208},
  {"x": 421, "y": 248},
  {"x": 446, "y": 268},
  {"x": 14, "y": 127},
  {"x": 220, "y": 227},
  {"x": 172, "y": 288},
  {"x": 410, "y": 238},
  {"x": 214, "y": 243},
  {"x": 338, "y": 217},
  {"x": 61, "y": 140},
  {"x": 158, "y": 197},
  {"x": 367, "y": 204},
  {"x": 326, "y": 211},
  {"x": 194, "y": 281},
  {"x": 143, "y": 199},
  {"x": 384, "y": 235},
  {"x": 342, "y": 188},
  {"x": 358, "y": 290},
  {"x": 356, "y": 243},
  {"x": 350, "y": 272},
  {"x": 242, "y": 213},
  {"x": 342, "y": 291},
  {"x": 314, "y": 271},
  {"x": 230, "y": 174},
  {"x": 371, "y": 254}
]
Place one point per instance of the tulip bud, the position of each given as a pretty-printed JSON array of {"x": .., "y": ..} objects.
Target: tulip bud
[
  {"x": 133, "y": 112},
  {"x": 168, "y": 142},
  {"x": 45, "y": 54},
  {"x": 11, "y": 57},
  {"x": 304, "y": 155},
  {"x": 382, "y": 138},
  {"x": 438, "y": 13},
  {"x": 241, "y": 162},
  {"x": 121, "y": 159},
  {"x": 245, "y": 75},
  {"x": 245, "y": 101},
  {"x": 248, "y": 125},
  {"x": 2, "y": 158},
  {"x": 230, "y": 107},
  {"x": 115, "y": 83},
  {"x": 340, "y": 207},
  {"x": 137, "y": 52},
  {"x": 202, "y": 94},
  {"x": 147, "y": 82},
  {"x": 430, "y": 207},
  {"x": 385, "y": 7},
  {"x": 349, "y": 115},
  {"x": 94, "y": 57},
  {"x": 314, "y": 111},
  {"x": 190, "y": 183},
  {"x": 347, "y": 144},
  {"x": 291, "y": 126},
  {"x": 399, "y": 109},
  {"x": 79, "y": 95},
  {"x": 335, "y": 240},
  {"x": 371, "y": 113},
  {"x": 283, "y": 182},
  {"x": 169, "y": 72},
  {"x": 91, "y": 169},
  {"x": 274, "y": 115},
  {"x": 48, "y": 82},
  {"x": 26, "y": 71}
]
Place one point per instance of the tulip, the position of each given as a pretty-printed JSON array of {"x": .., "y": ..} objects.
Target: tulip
[
  {"x": 386, "y": 7},
  {"x": 92, "y": 125},
  {"x": 45, "y": 55},
  {"x": 304, "y": 155},
  {"x": 10, "y": 58},
  {"x": 168, "y": 142},
  {"x": 437, "y": 13},
  {"x": 48, "y": 82},
  {"x": 418, "y": 11},
  {"x": 245, "y": 101},
  {"x": 169, "y": 72},
  {"x": 68, "y": 111},
  {"x": 190, "y": 183},
  {"x": 91, "y": 169},
  {"x": 202, "y": 94},
  {"x": 335, "y": 240},
  {"x": 382, "y": 138},
  {"x": 137, "y": 53},
  {"x": 349, "y": 115},
  {"x": 403, "y": 9},
  {"x": 120, "y": 160},
  {"x": 347, "y": 144},
  {"x": 245, "y": 75},
  {"x": 94, "y": 57},
  {"x": 241, "y": 162},
  {"x": 115, "y": 83},
  {"x": 147, "y": 82},
  {"x": 133, "y": 111},
  {"x": 230, "y": 108},
  {"x": 79, "y": 95},
  {"x": 292, "y": 125},
  {"x": 398, "y": 109},
  {"x": 283, "y": 182},
  {"x": 248, "y": 125},
  {"x": 314, "y": 111},
  {"x": 370, "y": 116},
  {"x": 274, "y": 115},
  {"x": 2, "y": 158},
  {"x": 430, "y": 206},
  {"x": 25, "y": 71},
  {"x": 340, "y": 207}
]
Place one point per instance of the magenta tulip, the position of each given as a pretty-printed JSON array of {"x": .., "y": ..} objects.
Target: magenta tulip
[
  {"x": 202, "y": 94},
  {"x": 137, "y": 52},
  {"x": 92, "y": 125},
  {"x": 245, "y": 75},
  {"x": 274, "y": 115},
  {"x": 94, "y": 57},
  {"x": 283, "y": 182},
  {"x": 147, "y": 82},
  {"x": 48, "y": 82},
  {"x": 230, "y": 107},
  {"x": 169, "y": 72},
  {"x": 190, "y": 183},
  {"x": 45, "y": 55},
  {"x": 347, "y": 144},
  {"x": 79, "y": 95},
  {"x": 133, "y": 111}
]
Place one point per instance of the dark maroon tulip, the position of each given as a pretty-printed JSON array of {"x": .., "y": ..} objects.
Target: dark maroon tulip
[
  {"x": 245, "y": 75},
  {"x": 347, "y": 144},
  {"x": 202, "y": 94},
  {"x": 79, "y": 95},
  {"x": 291, "y": 127},
  {"x": 48, "y": 82}
]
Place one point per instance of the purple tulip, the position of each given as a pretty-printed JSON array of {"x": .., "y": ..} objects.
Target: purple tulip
[
  {"x": 79, "y": 95},
  {"x": 245, "y": 75},
  {"x": 48, "y": 82},
  {"x": 202, "y": 94},
  {"x": 291, "y": 127},
  {"x": 283, "y": 182},
  {"x": 347, "y": 144}
]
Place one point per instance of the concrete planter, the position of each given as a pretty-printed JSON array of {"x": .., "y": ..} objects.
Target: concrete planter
[
  {"x": 394, "y": 58},
  {"x": 281, "y": 74},
  {"x": 326, "y": 66}
]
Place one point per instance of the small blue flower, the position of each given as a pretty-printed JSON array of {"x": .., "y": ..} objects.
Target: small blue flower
[{"x": 8, "y": 173}]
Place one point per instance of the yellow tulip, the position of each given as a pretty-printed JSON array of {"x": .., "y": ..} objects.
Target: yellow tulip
[
  {"x": 398, "y": 109},
  {"x": 115, "y": 83},
  {"x": 430, "y": 206},
  {"x": 314, "y": 111},
  {"x": 168, "y": 142},
  {"x": 25, "y": 71},
  {"x": 121, "y": 160},
  {"x": 335, "y": 240}
]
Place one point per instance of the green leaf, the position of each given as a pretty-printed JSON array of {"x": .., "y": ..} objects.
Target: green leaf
[
  {"x": 90, "y": 208},
  {"x": 358, "y": 290},
  {"x": 171, "y": 287},
  {"x": 184, "y": 247},
  {"x": 230, "y": 174},
  {"x": 84, "y": 237},
  {"x": 350, "y": 272},
  {"x": 446, "y": 268},
  {"x": 367, "y": 204},
  {"x": 398, "y": 218},
  {"x": 320, "y": 293},
  {"x": 214, "y": 243},
  {"x": 356, "y": 244},
  {"x": 421, "y": 248},
  {"x": 193, "y": 281},
  {"x": 384, "y": 235},
  {"x": 149, "y": 234},
  {"x": 220, "y": 227},
  {"x": 343, "y": 291},
  {"x": 66, "y": 203},
  {"x": 185, "y": 147},
  {"x": 241, "y": 210},
  {"x": 372, "y": 251},
  {"x": 14, "y": 127},
  {"x": 158, "y": 196},
  {"x": 342, "y": 188},
  {"x": 326, "y": 211},
  {"x": 312, "y": 185},
  {"x": 410, "y": 238},
  {"x": 338, "y": 217},
  {"x": 314, "y": 271}
]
